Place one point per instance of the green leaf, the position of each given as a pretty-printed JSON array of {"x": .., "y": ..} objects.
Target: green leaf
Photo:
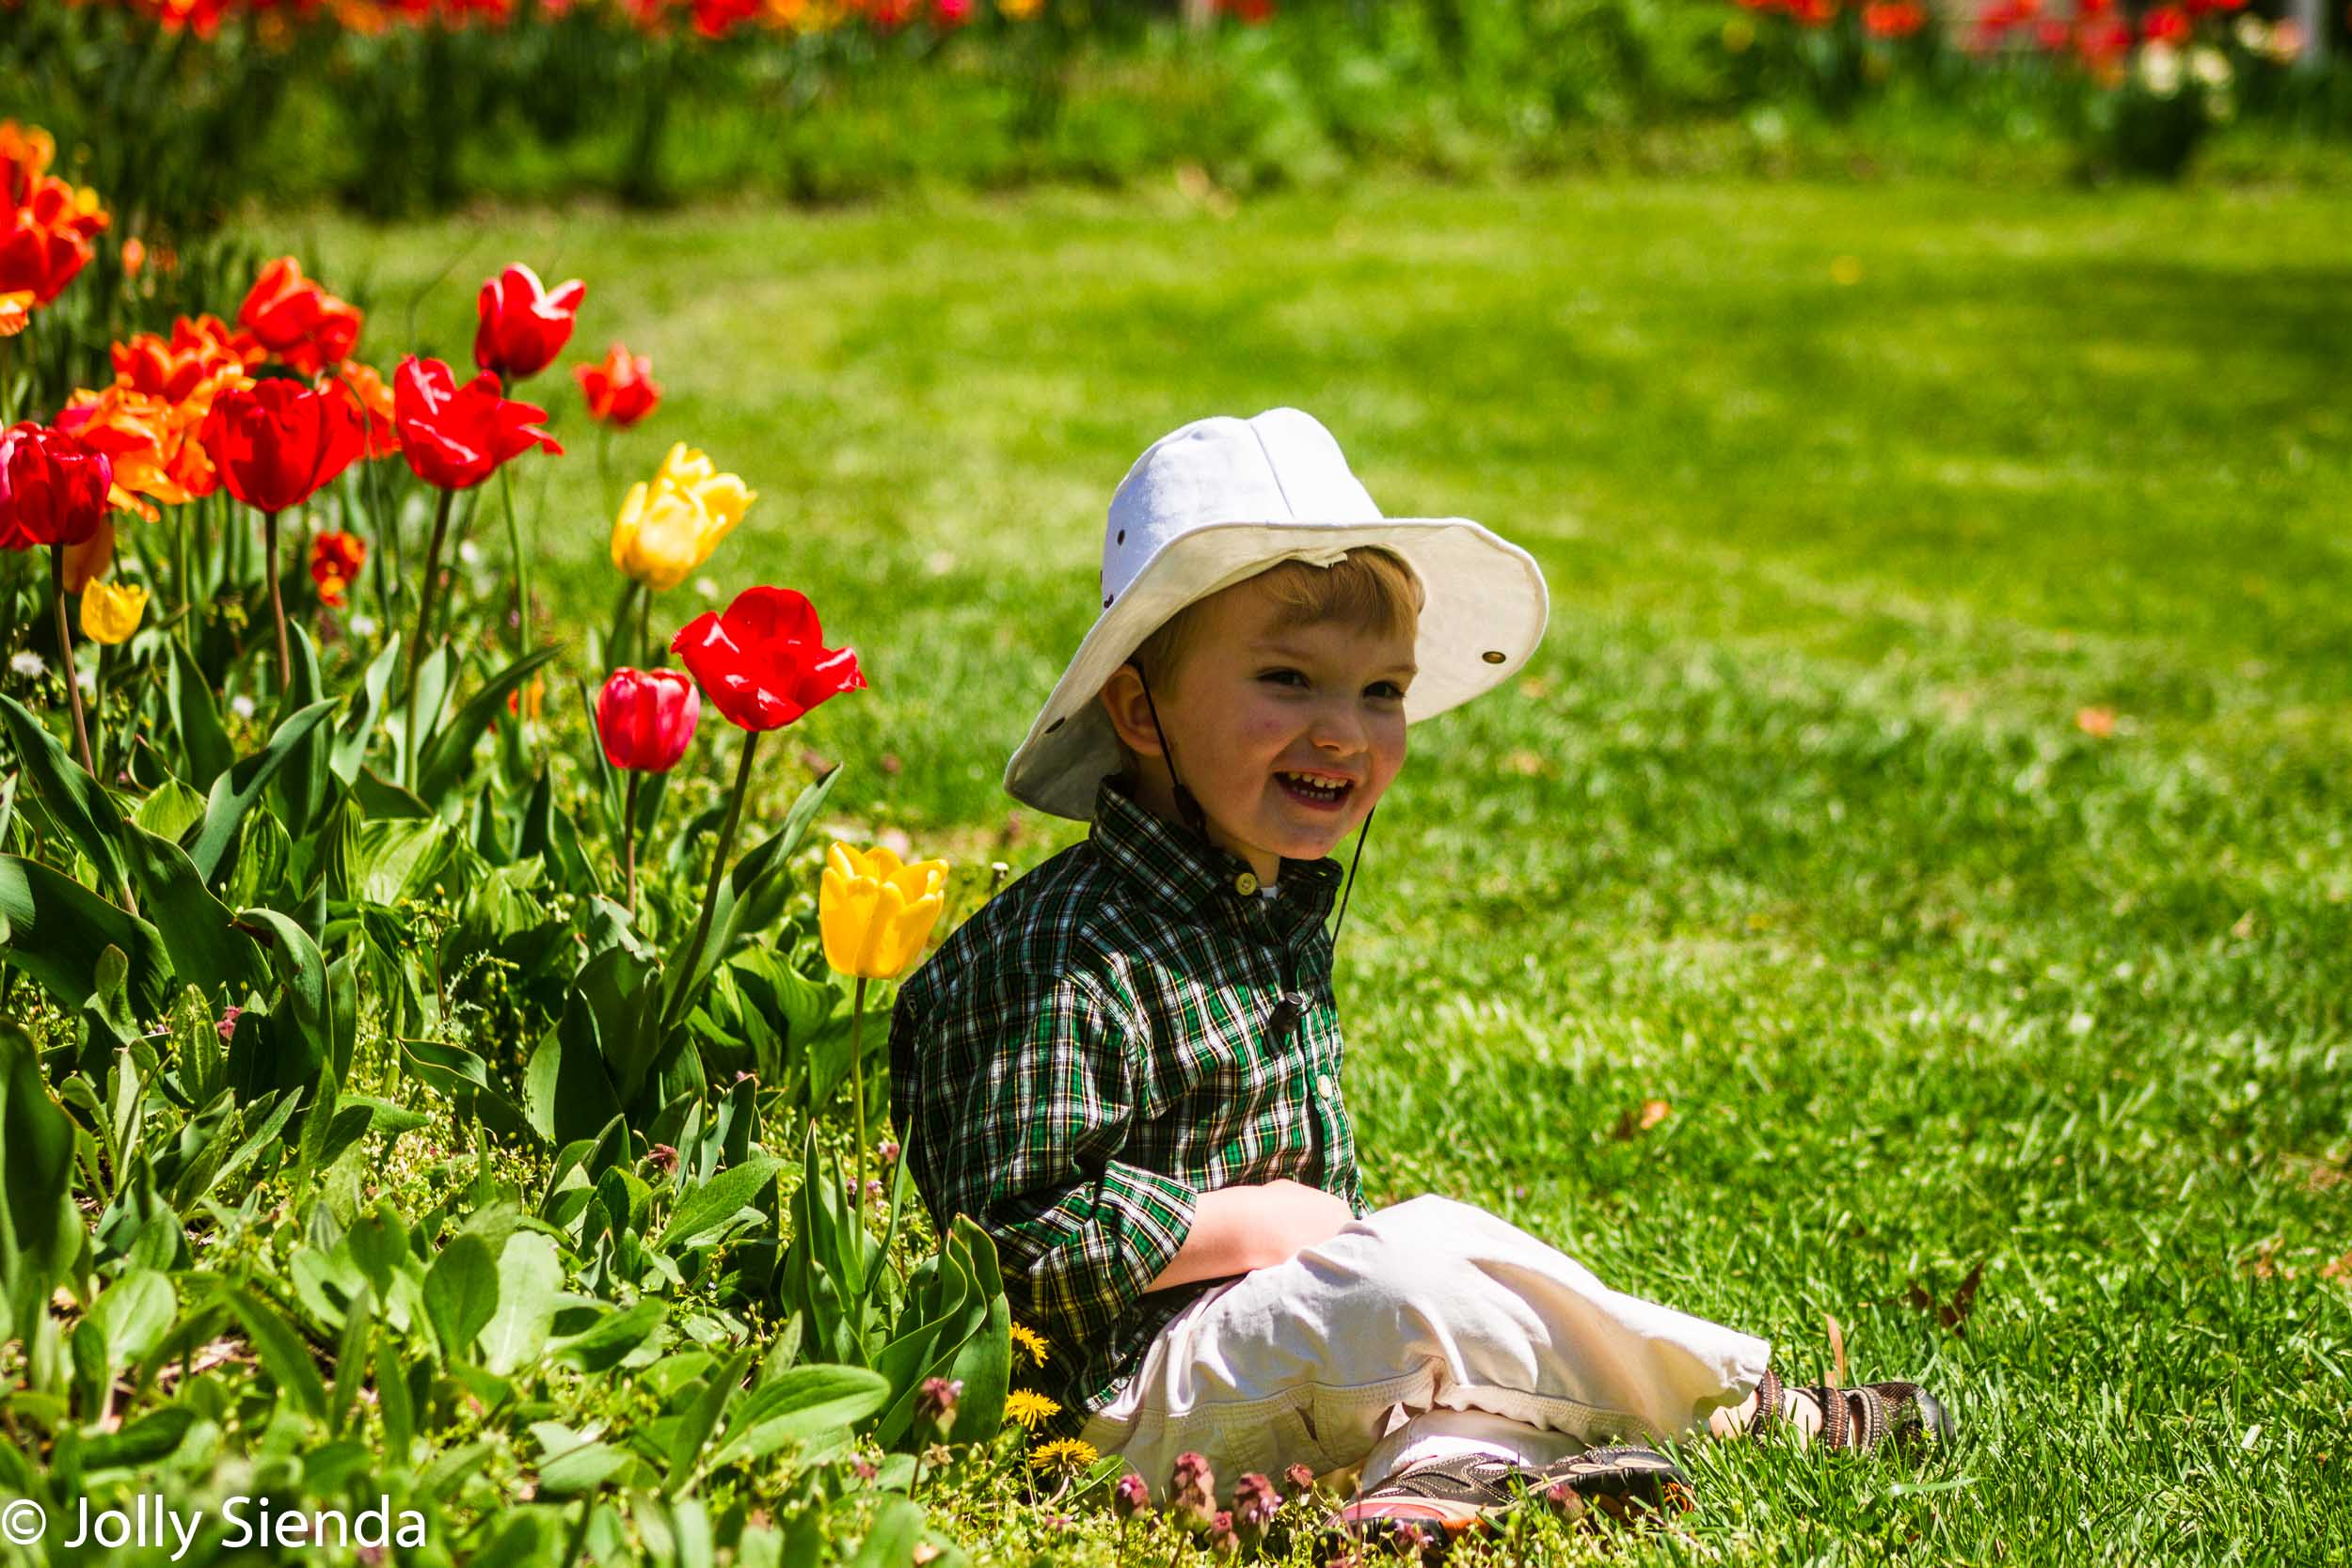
[
  {"x": 583, "y": 1468},
  {"x": 135, "y": 1314},
  {"x": 751, "y": 898},
  {"x": 300, "y": 786},
  {"x": 702, "y": 1419},
  {"x": 890, "y": 1543},
  {"x": 805, "y": 1403},
  {"x": 205, "y": 753},
  {"x": 41, "y": 1230},
  {"x": 169, "y": 810},
  {"x": 57, "y": 930},
  {"x": 608, "y": 1343},
  {"x": 530, "y": 1277},
  {"x": 196, "y": 928},
  {"x": 705, "y": 1211},
  {"x": 449, "y": 755},
  {"x": 461, "y": 1292},
  {"x": 76, "y": 802},
  {"x": 280, "y": 1350},
  {"x": 367, "y": 708},
  {"x": 234, "y": 792},
  {"x": 397, "y": 857},
  {"x": 258, "y": 866},
  {"x": 304, "y": 1023}
]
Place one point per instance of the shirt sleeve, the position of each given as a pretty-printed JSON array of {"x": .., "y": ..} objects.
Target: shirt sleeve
[{"x": 1030, "y": 1097}]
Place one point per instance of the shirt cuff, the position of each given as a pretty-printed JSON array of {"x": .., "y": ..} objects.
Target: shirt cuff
[{"x": 1151, "y": 1215}]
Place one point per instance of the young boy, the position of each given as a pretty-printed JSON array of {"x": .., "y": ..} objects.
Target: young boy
[{"x": 1126, "y": 1068}]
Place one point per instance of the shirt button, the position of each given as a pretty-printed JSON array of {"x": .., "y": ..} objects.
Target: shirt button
[
  {"x": 1247, "y": 883},
  {"x": 1323, "y": 1085}
]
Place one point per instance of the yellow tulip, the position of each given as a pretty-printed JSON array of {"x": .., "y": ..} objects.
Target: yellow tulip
[
  {"x": 877, "y": 912},
  {"x": 111, "y": 614},
  {"x": 668, "y": 526}
]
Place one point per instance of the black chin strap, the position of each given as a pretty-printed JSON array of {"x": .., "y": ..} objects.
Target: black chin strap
[{"x": 1184, "y": 799}]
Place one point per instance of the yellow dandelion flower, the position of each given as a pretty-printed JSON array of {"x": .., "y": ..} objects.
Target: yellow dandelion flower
[
  {"x": 1067, "y": 1454},
  {"x": 1030, "y": 1340},
  {"x": 1029, "y": 1410}
]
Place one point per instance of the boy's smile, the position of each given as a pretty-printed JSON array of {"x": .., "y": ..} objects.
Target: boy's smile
[{"x": 1287, "y": 733}]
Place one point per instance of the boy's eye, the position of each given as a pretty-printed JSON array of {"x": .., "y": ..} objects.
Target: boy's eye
[
  {"x": 1386, "y": 688},
  {"x": 1278, "y": 674}
]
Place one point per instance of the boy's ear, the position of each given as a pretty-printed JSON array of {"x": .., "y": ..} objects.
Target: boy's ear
[{"x": 1123, "y": 699}]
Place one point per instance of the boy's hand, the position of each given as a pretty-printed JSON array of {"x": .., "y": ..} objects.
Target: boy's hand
[{"x": 1236, "y": 1229}]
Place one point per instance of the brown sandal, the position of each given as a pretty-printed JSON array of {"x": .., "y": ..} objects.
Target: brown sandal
[{"x": 1862, "y": 1418}]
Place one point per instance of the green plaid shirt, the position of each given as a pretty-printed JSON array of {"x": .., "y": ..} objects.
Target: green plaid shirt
[{"x": 1104, "y": 1040}]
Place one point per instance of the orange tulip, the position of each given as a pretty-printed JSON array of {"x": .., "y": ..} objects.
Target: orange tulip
[{"x": 335, "y": 561}]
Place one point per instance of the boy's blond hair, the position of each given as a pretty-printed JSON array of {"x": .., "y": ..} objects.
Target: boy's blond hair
[{"x": 1369, "y": 589}]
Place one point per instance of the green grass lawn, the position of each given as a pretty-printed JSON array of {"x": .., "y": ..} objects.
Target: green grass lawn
[{"x": 1862, "y": 510}]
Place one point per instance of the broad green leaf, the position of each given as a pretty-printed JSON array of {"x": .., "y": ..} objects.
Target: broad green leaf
[
  {"x": 196, "y": 928},
  {"x": 397, "y": 857},
  {"x": 169, "y": 810},
  {"x": 57, "y": 930},
  {"x": 75, "y": 801},
  {"x": 613, "y": 1337},
  {"x": 803, "y": 1403},
  {"x": 234, "y": 792},
  {"x": 300, "y": 786},
  {"x": 583, "y": 1468},
  {"x": 367, "y": 710},
  {"x": 280, "y": 1350},
  {"x": 890, "y": 1543},
  {"x": 461, "y": 1292},
  {"x": 449, "y": 755},
  {"x": 135, "y": 1314},
  {"x": 41, "y": 1229},
  {"x": 701, "y": 1419},
  {"x": 205, "y": 753},
  {"x": 530, "y": 1277},
  {"x": 708, "y": 1208},
  {"x": 301, "y": 1025}
]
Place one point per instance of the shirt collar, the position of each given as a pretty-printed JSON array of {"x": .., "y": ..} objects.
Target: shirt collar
[{"x": 1181, "y": 867}]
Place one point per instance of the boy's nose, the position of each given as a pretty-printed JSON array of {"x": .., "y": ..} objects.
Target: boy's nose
[{"x": 1340, "y": 733}]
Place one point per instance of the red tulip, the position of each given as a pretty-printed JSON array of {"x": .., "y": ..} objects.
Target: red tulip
[
  {"x": 276, "y": 443},
  {"x": 298, "y": 321},
  {"x": 621, "y": 390},
  {"x": 523, "y": 326},
  {"x": 53, "y": 487},
  {"x": 456, "y": 436},
  {"x": 39, "y": 259},
  {"x": 762, "y": 661},
  {"x": 646, "y": 717}
]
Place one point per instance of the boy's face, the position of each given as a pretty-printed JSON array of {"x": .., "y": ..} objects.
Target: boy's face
[{"x": 1256, "y": 702}]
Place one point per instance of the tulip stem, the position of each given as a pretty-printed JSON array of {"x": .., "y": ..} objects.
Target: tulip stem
[
  {"x": 857, "y": 1088},
  {"x": 522, "y": 565},
  {"x": 425, "y": 619},
  {"x": 718, "y": 869},
  {"x": 628, "y": 839},
  {"x": 276, "y": 603},
  {"x": 648, "y": 656},
  {"x": 64, "y": 656}
]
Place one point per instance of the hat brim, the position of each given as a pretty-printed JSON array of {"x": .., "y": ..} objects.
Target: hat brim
[{"x": 1483, "y": 615}]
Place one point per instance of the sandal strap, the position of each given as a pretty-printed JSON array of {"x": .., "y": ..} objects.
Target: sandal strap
[
  {"x": 1836, "y": 1419},
  {"x": 1476, "y": 1480},
  {"x": 1767, "y": 1415},
  {"x": 1874, "y": 1421}
]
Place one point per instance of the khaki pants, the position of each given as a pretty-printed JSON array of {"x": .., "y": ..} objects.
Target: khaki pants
[{"x": 1430, "y": 1306}]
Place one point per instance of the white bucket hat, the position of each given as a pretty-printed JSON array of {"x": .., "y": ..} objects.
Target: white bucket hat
[{"x": 1220, "y": 501}]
